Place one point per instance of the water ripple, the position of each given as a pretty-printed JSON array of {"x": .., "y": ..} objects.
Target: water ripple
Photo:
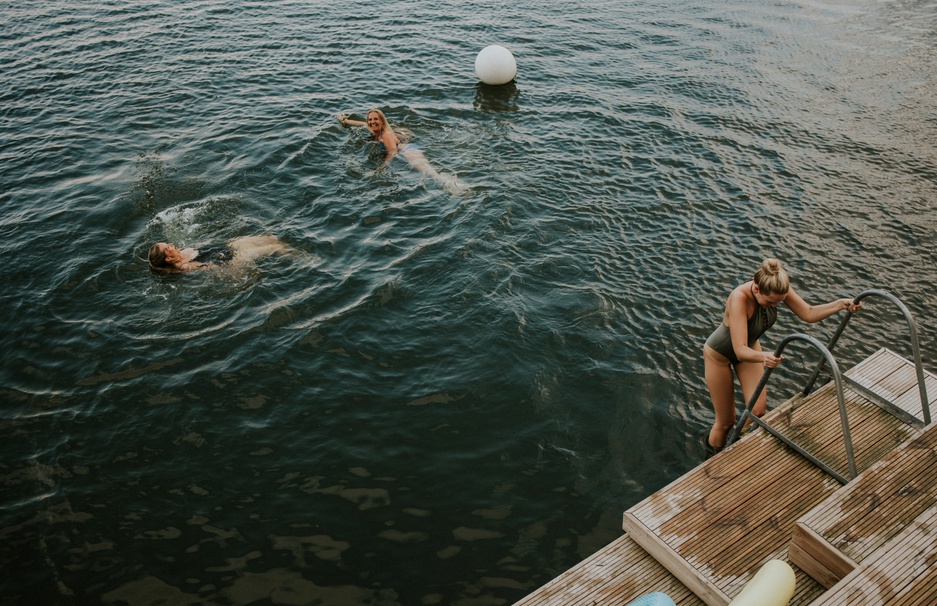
[{"x": 474, "y": 383}]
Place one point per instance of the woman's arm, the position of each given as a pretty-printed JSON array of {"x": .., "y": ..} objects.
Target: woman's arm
[
  {"x": 345, "y": 120},
  {"x": 815, "y": 313},
  {"x": 737, "y": 316}
]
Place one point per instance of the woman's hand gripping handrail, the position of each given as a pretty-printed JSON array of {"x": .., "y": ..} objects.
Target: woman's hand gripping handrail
[{"x": 838, "y": 379}]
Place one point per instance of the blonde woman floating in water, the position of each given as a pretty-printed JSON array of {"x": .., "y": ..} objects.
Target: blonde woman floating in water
[
  {"x": 393, "y": 142},
  {"x": 750, "y": 311},
  {"x": 166, "y": 258}
]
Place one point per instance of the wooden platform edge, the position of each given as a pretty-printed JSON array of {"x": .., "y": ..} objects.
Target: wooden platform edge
[
  {"x": 617, "y": 574},
  {"x": 885, "y": 575},
  {"x": 673, "y": 562},
  {"x": 881, "y": 365},
  {"x": 811, "y": 567},
  {"x": 814, "y": 555},
  {"x": 830, "y": 562}
]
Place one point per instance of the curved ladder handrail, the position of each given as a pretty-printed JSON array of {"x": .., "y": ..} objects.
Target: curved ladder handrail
[
  {"x": 915, "y": 347},
  {"x": 838, "y": 379}
]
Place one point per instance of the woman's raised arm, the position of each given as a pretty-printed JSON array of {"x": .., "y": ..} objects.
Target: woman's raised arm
[{"x": 346, "y": 121}]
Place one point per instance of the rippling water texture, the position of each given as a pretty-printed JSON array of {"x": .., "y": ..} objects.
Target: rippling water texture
[{"x": 437, "y": 397}]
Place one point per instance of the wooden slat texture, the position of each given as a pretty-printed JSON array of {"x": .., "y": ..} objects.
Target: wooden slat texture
[
  {"x": 868, "y": 513},
  {"x": 911, "y": 399},
  {"x": 813, "y": 554},
  {"x": 723, "y": 520},
  {"x": 723, "y": 517},
  {"x": 894, "y": 379},
  {"x": 819, "y": 571},
  {"x": 674, "y": 562},
  {"x": 817, "y": 428},
  {"x": 714, "y": 526},
  {"x": 616, "y": 575},
  {"x": 901, "y": 573},
  {"x": 712, "y": 529}
]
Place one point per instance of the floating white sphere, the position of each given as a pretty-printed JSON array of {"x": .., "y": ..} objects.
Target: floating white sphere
[{"x": 495, "y": 65}]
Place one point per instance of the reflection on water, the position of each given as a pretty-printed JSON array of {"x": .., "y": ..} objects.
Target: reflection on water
[
  {"x": 494, "y": 99},
  {"x": 436, "y": 398}
]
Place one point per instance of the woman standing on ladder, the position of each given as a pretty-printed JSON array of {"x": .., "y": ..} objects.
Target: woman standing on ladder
[{"x": 750, "y": 311}]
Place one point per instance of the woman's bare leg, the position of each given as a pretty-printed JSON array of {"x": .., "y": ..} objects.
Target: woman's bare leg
[
  {"x": 249, "y": 248},
  {"x": 750, "y": 374},
  {"x": 721, "y": 385},
  {"x": 419, "y": 162}
]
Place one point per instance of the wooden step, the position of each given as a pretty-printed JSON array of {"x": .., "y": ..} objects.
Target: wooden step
[
  {"x": 814, "y": 424},
  {"x": 714, "y": 529},
  {"x": 893, "y": 379},
  {"x": 839, "y": 534},
  {"x": 901, "y": 573},
  {"x": 717, "y": 525},
  {"x": 711, "y": 530}
]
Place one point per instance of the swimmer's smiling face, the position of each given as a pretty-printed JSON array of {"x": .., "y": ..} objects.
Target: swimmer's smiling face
[{"x": 374, "y": 123}]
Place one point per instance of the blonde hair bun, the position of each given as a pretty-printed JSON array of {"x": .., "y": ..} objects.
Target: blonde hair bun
[{"x": 771, "y": 278}]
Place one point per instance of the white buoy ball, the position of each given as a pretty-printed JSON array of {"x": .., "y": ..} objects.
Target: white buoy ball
[{"x": 495, "y": 65}]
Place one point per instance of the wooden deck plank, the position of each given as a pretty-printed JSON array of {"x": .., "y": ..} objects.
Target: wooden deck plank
[
  {"x": 617, "y": 574},
  {"x": 743, "y": 553},
  {"x": 806, "y": 590},
  {"x": 674, "y": 562},
  {"x": 818, "y": 429},
  {"x": 720, "y": 479},
  {"x": 734, "y": 528},
  {"x": 718, "y": 476},
  {"x": 732, "y": 499},
  {"x": 876, "y": 368},
  {"x": 880, "y": 517},
  {"x": 811, "y": 552},
  {"x": 726, "y": 489},
  {"x": 711, "y": 530},
  {"x": 759, "y": 523},
  {"x": 903, "y": 572},
  {"x": 869, "y": 512},
  {"x": 825, "y": 572},
  {"x": 716, "y": 480},
  {"x": 771, "y": 537},
  {"x": 894, "y": 379},
  {"x": 860, "y": 497},
  {"x": 911, "y": 399},
  {"x": 713, "y": 526}
]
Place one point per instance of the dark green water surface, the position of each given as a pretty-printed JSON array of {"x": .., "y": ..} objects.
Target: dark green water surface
[{"x": 440, "y": 397}]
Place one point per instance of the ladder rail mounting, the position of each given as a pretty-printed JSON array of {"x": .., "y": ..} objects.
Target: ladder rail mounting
[
  {"x": 915, "y": 347},
  {"x": 747, "y": 414}
]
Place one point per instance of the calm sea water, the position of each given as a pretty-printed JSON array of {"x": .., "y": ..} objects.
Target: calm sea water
[{"x": 438, "y": 397}]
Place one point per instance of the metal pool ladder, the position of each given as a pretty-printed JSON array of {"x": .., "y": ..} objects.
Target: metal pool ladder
[{"x": 828, "y": 360}]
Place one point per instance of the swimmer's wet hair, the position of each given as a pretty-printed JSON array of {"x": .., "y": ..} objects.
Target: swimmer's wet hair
[{"x": 157, "y": 259}]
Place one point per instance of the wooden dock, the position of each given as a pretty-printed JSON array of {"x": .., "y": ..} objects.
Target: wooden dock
[{"x": 873, "y": 541}]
